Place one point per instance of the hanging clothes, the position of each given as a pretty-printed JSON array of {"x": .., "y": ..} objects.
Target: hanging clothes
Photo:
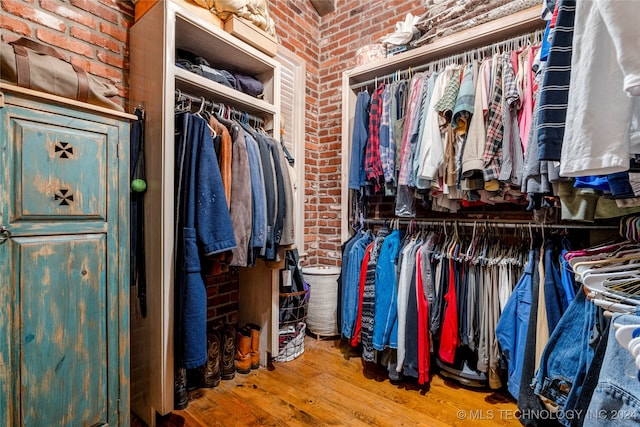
[{"x": 203, "y": 228}]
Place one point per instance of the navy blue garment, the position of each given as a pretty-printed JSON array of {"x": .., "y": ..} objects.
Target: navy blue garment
[
  {"x": 204, "y": 228},
  {"x": 555, "y": 298},
  {"x": 620, "y": 186},
  {"x": 258, "y": 196},
  {"x": 554, "y": 92},
  {"x": 248, "y": 84},
  {"x": 357, "y": 175}
]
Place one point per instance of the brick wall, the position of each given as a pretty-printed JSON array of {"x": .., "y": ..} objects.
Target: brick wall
[
  {"x": 352, "y": 25},
  {"x": 298, "y": 29},
  {"x": 93, "y": 34}
]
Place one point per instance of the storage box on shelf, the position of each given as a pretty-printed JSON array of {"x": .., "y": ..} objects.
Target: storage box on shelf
[
  {"x": 247, "y": 32},
  {"x": 165, "y": 27}
]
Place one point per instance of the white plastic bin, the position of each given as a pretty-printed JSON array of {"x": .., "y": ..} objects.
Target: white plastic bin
[{"x": 323, "y": 299}]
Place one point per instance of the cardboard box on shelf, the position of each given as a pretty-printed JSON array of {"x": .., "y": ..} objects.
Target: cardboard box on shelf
[{"x": 252, "y": 35}]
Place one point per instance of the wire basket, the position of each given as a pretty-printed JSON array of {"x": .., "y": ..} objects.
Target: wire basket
[
  {"x": 291, "y": 344},
  {"x": 292, "y": 323}
]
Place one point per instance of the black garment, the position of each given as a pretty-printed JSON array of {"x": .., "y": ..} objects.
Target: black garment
[
  {"x": 136, "y": 209},
  {"x": 410, "y": 366},
  {"x": 281, "y": 206}
]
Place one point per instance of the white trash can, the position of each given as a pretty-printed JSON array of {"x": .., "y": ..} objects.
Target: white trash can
[{"x": 323, "y": 299}]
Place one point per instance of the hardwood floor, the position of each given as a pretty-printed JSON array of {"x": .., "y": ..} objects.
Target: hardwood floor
[{"x": 329, "y": 386}]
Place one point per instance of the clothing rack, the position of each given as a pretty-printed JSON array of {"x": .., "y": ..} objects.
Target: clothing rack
[
  {"x": 510, "y": 44},
  {"x": 204, "y": 103},
  {"x": 501, "y": 223}
]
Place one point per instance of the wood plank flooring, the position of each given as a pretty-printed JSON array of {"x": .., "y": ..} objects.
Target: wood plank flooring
[{"x": 328, "y": 385}]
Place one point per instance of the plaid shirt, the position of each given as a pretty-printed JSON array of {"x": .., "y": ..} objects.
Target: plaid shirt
[
  {"x": 445, "y": 105},
  {"x": 372, "y": 162},
  {"x": 493, "y": 147},
  {"x": 512, "y": 158}
]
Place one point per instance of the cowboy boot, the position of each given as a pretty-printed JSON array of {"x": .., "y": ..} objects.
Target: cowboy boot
[
  {"x": 181, "y": 397},
  {"x": 212, "y": 370},
  {"x": 243, "y": 351},
  {"x": 255, "y": 345},
  {"x": 228, "y": 352}
]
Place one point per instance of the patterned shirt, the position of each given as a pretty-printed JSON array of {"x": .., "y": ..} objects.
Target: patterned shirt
[
  {"x": 445, "y": 105},
  {"x": 554, "y": 95},
  {"x": 495, "y": 128},
  {"x": 373, "y": 164}
]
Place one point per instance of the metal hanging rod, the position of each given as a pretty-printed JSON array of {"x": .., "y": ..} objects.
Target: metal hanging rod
[
  {"x": 512, "y": 43},
  {"x": 502, "y": 223},
  {"x": 205, "y": 103}
]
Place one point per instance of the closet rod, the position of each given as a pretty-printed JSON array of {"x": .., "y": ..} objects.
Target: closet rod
[
  {"x": 513, "y": 43},
  {"x": 207, "y": 103},
  {"x": 467, "y": 222}
]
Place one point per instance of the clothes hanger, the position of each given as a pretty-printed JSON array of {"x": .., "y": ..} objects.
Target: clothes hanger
[
  {"x": 580, "y": 267},
  {"x": 620, "y": 251}
]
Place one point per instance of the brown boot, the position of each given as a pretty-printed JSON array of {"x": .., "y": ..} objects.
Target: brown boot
[
  {"x": 212, "y": 370},
  {"x": 243, "y": 351},
  {"x": 228, "y": 352},
  {"x": 255, "y": 345}
]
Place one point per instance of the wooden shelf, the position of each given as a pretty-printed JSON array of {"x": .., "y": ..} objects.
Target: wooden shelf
[
  {"x": 481, "y": 35},
  {"x": 200, "y": 86}
]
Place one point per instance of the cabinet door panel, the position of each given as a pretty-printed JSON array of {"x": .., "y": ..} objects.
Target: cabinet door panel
[
  {"x": 62, "y": 299},
  {"x": 60, "y": 172}
]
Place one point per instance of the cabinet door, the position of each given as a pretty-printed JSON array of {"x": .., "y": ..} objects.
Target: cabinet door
[{"x": 59, "y": 272}]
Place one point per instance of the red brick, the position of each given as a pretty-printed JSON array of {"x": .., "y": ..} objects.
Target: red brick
[
  {"x": 34, "y": 15},
  {"x": 114, "y": 31},
  {"x": 15, "y": 26},
  {"x": 95, "y": 39},
  {"x": 99, "y": 69},
  {"x": 114, "y": 60},
  {"x": 60, "y": 9},
  {"x": 97, "y": 9},
  {"x": 64, "y": 42}
]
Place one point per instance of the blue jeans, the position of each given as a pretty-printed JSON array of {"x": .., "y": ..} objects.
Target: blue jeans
[
  {"x": 617, "y": 395},
  {"x": 567, "y": 356}
]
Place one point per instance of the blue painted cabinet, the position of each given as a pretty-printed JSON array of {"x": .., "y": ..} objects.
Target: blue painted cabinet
[{"x": 64, "y": 319}]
